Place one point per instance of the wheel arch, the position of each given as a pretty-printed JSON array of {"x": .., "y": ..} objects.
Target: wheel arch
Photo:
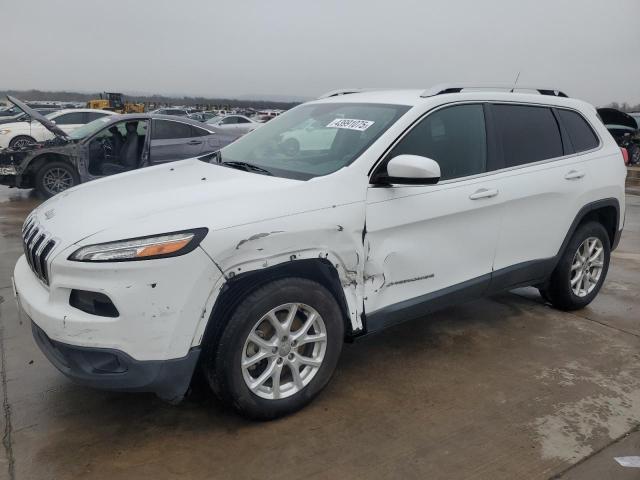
[
  {"x": 38, "y": 161},
  {"x": 236, "y": 288},
  {"x": 606, "y": 212}
]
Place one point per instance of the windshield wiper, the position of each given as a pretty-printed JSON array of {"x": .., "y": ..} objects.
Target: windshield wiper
[{"x": 247, "y": 167}]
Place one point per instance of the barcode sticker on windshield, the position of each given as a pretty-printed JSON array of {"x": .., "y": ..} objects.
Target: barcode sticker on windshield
[{"x": 350, "y": 124}]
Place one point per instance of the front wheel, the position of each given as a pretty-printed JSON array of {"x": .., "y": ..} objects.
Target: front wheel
[
  {"x": 278, "y": 350},
  {"x": 581, "y": 271},
  {"x": 21, "y": 141},
  {"x": 55, "y": 177}
]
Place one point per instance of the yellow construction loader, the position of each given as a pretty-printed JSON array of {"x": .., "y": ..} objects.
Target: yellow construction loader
[{"x": 116, "y": 103}]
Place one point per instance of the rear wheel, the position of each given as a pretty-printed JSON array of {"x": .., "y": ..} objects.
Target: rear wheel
[
  {"x": 55, "y": 177},
  {"x": 581, "y": 271},
  {"x": 278, "y": 349},
  {"x": 21, "y": 141}
]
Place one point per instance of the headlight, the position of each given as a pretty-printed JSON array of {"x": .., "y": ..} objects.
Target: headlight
[
  {"x": 5, "y": 131},
  {"x": 143, "y": 248}
]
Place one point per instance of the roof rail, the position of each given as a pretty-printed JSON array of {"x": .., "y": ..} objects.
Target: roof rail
[
  {"x": 342, "y": 91},
  {"x": 443, "y": 88}
]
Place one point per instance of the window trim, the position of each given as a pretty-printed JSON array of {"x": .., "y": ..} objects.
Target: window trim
[{"x": 373, "y": 171}]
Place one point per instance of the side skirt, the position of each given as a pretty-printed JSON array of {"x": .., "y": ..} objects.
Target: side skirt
[{"x": 523, "y": 274}]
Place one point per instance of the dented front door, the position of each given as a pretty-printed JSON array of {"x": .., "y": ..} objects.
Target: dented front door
[{"x": 423, "y": 239}]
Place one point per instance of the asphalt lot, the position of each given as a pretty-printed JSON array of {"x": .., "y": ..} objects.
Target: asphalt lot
[{"x": 505, "y": 387}]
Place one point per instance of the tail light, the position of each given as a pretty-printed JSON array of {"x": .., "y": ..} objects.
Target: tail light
[{"x": 625, "y": 155}]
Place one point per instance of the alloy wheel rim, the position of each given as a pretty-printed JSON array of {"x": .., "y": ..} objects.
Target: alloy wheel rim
[
  {"x": 56, "y": 180},
  {"x": 22, "y": 142},
  {"x": 284, "y": 351},
  {"x": 587, "y": 265}
]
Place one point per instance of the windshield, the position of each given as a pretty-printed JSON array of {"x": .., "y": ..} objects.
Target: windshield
[
  {"x": 313, "y": 140},
  {"x": 214, "y": 120},
  {"x": 89, "y": 129}
]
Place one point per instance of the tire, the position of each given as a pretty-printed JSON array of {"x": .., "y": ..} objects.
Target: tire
[
  {"x": 223, "y": 362},
  {"x": 54, "y": 177},
  {"x": 21, "y": 141},
  {"x": 560, "y": 292},
  {"x": 544, "y": 294}
]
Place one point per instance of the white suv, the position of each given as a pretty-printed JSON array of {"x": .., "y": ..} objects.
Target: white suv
[{"x": 256, "y": 265}]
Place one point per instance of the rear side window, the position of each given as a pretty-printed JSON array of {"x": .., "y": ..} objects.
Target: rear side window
[
  {"x": 580, "y": 133},
  {"x": 91, "y": 116},
  {"x": 165, "y": 129},
  {"x": 199, "y": 132},
  {"x": 528, "y": 134},
  {"x": 455, "y": 137},
  {"x": 75, "y": 118}
]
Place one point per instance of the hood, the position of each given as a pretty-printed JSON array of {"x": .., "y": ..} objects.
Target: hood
[
  {"x": 48, "y": 124},
  {"x": 611, "y": 117},
  {"x": 180, "y": 195}
]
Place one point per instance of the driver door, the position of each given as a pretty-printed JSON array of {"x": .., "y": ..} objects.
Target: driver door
[{"x": 430, "y": 244}]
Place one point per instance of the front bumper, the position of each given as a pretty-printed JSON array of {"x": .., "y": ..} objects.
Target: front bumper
[{"x": 110, "y": 369}]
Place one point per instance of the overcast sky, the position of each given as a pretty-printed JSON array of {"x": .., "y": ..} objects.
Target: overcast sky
[{"x": 589, "y": 48}]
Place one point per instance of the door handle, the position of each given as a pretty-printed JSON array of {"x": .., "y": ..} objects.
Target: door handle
[
  {"x": 483, "y": 193},
  {"x": 194, "y": 142},
  {"x": 574, "y": 175}
]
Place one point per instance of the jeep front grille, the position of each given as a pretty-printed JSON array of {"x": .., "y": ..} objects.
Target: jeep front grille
[{"x": 37, "y": 244}]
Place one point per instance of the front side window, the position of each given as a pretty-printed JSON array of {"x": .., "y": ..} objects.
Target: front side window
[
  {"x": 166, "y": 129},
  {"x": 455, "y": 137},
  {"x": 314, "y": 139},
  {"x": 229, "y": 121},
  {"x": 527, "y": 134}
]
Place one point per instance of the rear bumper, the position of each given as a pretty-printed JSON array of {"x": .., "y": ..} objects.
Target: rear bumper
[{"x": 111, "y": 369}]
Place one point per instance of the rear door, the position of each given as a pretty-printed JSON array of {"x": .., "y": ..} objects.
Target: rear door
[
  {"x": 174, "y": 140},
  {"x": 542, "y": 186}
]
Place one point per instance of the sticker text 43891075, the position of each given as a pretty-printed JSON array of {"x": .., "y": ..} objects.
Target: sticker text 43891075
[{"x": 350, "y": 124}]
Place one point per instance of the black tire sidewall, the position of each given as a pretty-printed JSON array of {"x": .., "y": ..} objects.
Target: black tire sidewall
[
  {"x": 14, "y": 140},
  {"x": 48, "y": 165},
  {"x": 231, "y": 385},
  {"x": 560, "y": 291}
]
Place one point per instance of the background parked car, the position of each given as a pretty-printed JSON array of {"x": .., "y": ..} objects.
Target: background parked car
[
  {"x": 624, "y": 129},
  {"x": 177, "y": 112},
  {"x": 108, "y": 145},
  {"x": 234, "y": 123},
  {"x": 19, "y": 134},
  {"x": 23, "y": 117}
]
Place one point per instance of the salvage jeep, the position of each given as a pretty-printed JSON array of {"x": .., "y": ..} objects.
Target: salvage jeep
[
  {"x": 105, "y": 146},
  {"x": 256, "y": 267}
]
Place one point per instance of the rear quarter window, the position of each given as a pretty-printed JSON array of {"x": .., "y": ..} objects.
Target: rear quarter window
[{"x": 580, "y": 133}]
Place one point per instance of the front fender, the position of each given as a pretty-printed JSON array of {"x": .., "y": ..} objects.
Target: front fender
[{"x": 334, "y": 236}]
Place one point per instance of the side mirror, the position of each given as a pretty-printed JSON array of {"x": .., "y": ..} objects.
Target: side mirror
[{"x": 412, "y": 170}]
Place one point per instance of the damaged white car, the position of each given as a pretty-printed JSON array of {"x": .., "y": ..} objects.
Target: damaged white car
[{"x": 257, "y": 266}]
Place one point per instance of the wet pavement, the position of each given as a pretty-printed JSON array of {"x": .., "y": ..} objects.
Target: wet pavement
[{"x": 500, "y": 388}]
